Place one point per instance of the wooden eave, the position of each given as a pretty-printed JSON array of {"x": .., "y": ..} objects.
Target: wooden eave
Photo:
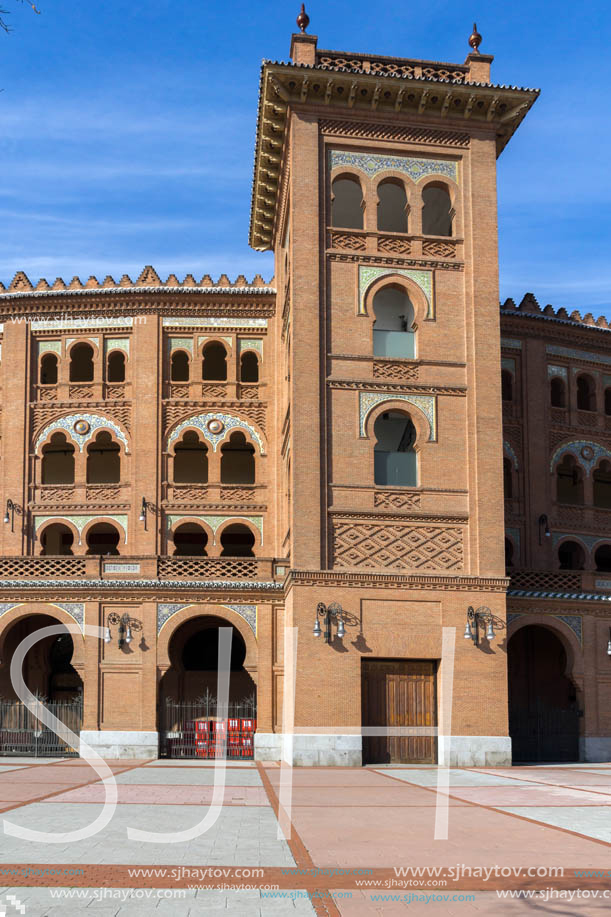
[{"x": 284, "y": 85}]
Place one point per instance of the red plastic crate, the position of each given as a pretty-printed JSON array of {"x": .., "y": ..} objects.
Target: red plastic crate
[
  {"x": 248, "y": 725},
  {"x": 233, "y": 738},
  {"x": 247, "y": 742},
  {"x": 202, "y": 726},
  {"x": 233, "y": 724}
]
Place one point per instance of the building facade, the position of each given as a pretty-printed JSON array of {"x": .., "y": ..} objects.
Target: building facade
[{"x": 323, "y": 453}]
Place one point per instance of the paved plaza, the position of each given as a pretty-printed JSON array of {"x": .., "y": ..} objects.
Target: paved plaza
[{"x": 348, "y": 826}]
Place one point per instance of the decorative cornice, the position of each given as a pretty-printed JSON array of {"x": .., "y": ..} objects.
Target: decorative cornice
[
  {"x": 358, "y": 580},
  {"x": 388, "y": 386},
  {"x": 462, "y": 519},
  {"x": 160, "y": 590},
  {"x": 283, "y": 86},
  {"x": 397, "y": 260}
]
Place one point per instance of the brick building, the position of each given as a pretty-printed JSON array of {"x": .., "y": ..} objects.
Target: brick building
[{"x": 179, "y": 456}]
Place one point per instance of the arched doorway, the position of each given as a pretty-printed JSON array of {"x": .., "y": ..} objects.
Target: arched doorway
[
  {"x": 543, "y": 713},
  {"x": 49, "y": 674},
  {"x": 189, "y": 713}
]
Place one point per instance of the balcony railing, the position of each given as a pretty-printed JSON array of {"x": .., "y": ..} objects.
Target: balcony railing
[
  {"x": 561, "y": 581},
  {"x": 150, "y": 567},
  {"x": 83, "y": 391}
]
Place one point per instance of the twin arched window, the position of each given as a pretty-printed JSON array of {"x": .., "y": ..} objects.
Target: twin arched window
[
  {"x": 572, "y": 556},
  {"x": 103, "y": 460},
  {"x": 58, "y": 539},
  {"x": 191, "y": 540},
  {"x": 191, "y": 460},
  {"x": 347, "y": 206},
  {"x": 570, "y": 483}
]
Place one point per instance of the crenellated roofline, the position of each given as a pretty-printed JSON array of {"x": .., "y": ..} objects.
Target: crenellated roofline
[
  {"x": 147, "y": 282},
  {"x": 530, "y": 308}
]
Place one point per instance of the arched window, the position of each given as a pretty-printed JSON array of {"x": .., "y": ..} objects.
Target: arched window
[
  {"x": 58, "y": 461},
  {"x": 57, "y": 539},
  {"x": 81, "y": 363},
  {"x": 48, "y": 369},
  {"x": 436, "y": 211},
  {"x": 190, "y": 460},
  {"x": 190, "y": 540},
  {"x": 586, "y": 393},
  {"x": 394, "y": 454},
  {"x": 569, "y": 481},
  {"x": 392, "y": 207},
  {"x": 608, "y": 401},
  {"x": 116, "y": 367},
  {"x": 103, "y": 538},
  {"x": 508, "y": 553},
  {"x": 249, "y": 367},
  {"x": 601, "y": 488},
  {"x": 215, "y": 362},
  {"x": 394, "y": 320},
  {"x": 507, "y": 478},
  {"x": 179, "y": 366},
  {"x": 557, "y": 390},
  {"x": 506, "y": 385},
  {"x": 571, "y": 556},
  {"x": 602, "y": 558},
  {"x": 237, "y": 461},
  {"x": 237, "y": 541},
  {"x": 103, "y": 460},
  {"x": 347, "y": 203}
]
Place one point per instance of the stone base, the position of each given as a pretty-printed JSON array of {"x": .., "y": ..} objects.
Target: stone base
[
  {"x": 596, "y": 749},
  {"x": 110, "y": 744},
  {"x": 475, "y": 751},
  {"x": 308, "y": 750},
  {"x": 268, "y": 746}
]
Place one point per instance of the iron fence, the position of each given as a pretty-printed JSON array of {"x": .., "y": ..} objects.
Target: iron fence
[
  {"x": 200, "y": 729},
  {"x": 21, "y": 733}
]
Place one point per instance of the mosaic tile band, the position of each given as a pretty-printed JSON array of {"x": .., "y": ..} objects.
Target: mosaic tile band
[
  {"x": 371, "y": 164},
  {"x": 215, "y": 522},
  {"x": 423, "y": 279},
  {"x": 425, "y": 403},
  {"x": 80, "y": 522},
  {"x": 96, "y": 422},
  {"x": 576, "y": 448},
  {"x": 510, "y": 452},
  {"x": 200, "y": 422},
  {"x": 248, "y": 612}
]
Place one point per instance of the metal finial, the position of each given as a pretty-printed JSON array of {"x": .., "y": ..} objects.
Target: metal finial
[
  {"x": 303, "y": 20},
  {"x": 475, "y": 39}
]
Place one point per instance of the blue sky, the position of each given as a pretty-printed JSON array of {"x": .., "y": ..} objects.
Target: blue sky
[{"x": 127, "y": 131}]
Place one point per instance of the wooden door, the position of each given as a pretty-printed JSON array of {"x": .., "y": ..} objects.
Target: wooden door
[{"x": 399, "y": 692}]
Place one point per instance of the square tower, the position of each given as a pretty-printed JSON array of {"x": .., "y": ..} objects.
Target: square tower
[{"x": 375, "y": 185}]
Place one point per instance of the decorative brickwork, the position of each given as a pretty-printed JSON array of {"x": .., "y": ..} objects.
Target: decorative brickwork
[
  {"x": 398, "y": 372},
  {"x": 400, "y": 547},
  {"x": 394, "y": 245},
  {"x": 347, "y": 240},
  {"x": 384, "y": 131},
  {"x": 396, "y": 500}
]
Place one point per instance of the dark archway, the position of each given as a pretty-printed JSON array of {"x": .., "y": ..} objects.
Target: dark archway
[
  {"x": 47, "y": 668},
  {"x": 543, "y": 714}
]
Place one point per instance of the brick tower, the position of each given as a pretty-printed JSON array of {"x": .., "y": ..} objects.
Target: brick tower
[{"x": 375, "y": 185}]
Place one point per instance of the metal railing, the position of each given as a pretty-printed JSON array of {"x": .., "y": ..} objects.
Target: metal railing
[{"x": 22, "y": 733}]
